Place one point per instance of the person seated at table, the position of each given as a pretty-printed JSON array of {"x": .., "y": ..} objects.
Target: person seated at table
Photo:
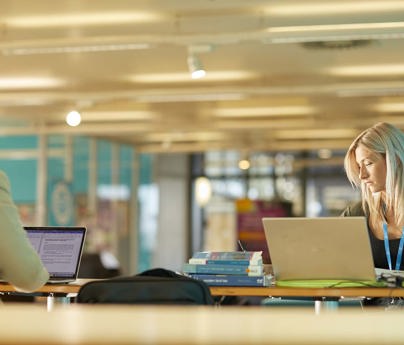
[
  {"x": 20, "y": 264},
  {"x": 375, "y": 163}
]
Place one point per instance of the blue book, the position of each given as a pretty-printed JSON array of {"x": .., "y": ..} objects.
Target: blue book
[
  {"x": 232, "y": 280},
  {"x": 249, "y": 270},
  {"x": 227, "y": 258}
]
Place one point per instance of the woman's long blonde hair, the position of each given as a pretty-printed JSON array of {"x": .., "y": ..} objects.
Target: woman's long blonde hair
[{"x": 387, "y": 141}]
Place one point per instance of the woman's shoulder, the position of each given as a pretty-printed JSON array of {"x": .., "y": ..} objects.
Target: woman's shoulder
[{"x": 354, "y": 210}]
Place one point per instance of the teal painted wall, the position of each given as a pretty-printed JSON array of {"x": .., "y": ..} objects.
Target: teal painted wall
[
  {"x": 23, "y": 176},
  {"x": 23, "y": 172}
]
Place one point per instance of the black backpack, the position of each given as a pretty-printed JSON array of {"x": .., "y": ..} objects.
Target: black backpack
[{"x": 155, "y": 286}]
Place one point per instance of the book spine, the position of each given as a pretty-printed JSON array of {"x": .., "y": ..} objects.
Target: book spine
[
  {"x": 224, "y": 269},
  {"x": 200, "y": 261},
  {"x": 232, "y": 280},
  {"x": 228, "y": 255}
]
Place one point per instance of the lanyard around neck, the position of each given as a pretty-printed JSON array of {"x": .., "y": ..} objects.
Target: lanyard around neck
[{"x": 387, "y": 248}]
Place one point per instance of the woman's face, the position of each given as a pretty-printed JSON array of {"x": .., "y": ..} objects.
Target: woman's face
[{"x": 372, "y": 169}]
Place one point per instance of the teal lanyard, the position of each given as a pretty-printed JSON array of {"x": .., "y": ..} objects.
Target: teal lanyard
[{"x": 387, "y": 248}]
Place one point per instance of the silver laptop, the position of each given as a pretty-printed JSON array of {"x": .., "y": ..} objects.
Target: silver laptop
[
  {"x": 320, "y": 251},
  {"x": 60, "y": 249}
]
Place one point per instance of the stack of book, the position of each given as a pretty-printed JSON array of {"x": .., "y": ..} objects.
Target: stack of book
[{"x": 238, "y": 268}]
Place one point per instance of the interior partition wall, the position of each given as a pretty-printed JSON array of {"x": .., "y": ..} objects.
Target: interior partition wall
[{"x": 60, "y": 180}]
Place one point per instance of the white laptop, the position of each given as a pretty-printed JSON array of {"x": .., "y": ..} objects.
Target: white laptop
[
  {"x": 317, "y": 252},
  {"x": 60, "y": 249}
]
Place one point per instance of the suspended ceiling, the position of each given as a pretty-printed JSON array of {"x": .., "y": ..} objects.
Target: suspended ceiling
[{"x": 281, "y": 75}]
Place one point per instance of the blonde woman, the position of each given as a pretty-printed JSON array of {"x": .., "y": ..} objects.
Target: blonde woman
[
  {"x": 19, "y": 263},
  {"x": 375, "y": 164}
]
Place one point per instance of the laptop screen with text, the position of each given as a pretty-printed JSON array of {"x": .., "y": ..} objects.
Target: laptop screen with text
[{"x": 60, "y": 249}]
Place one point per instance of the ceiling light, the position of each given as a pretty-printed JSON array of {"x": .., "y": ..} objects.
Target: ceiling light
[
  {"x": 263, "y": 111},
  {"x": 25, "y": 83},
  {"x": 116, "y": 115},
  {"x": 75, "y": 49},
  {"x": 390, "y": 107},
  {"x": 203, "y": 190},
  {"x": 332, "y": 27},
  {"x": 324, "y": 153},
  {"x": 84, "y": 19},
  {"x": 341, "y": 133},
  {"x": 374, "y": 70},
  {"x": 324, "y": 7},
  {"x": 181, "y": 77},
  {"x": 244, "y": 164},
  {"x": 202, "y": 97},
  {"x": 195, "y": 67},
  {"x": 334, "y": 32},
  {"x": 73, "y": 118}
]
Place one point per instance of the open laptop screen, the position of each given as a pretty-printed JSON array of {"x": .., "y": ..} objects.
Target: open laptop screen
[
  {"x": 60, "y": 249},
  {"x": 334, "y": 248}
]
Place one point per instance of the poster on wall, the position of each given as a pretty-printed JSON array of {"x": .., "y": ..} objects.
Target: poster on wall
[
  {"x": 250, "y": 230},
  {"x": 107, "y": 226},
  {"x": 61, "y": 204}
]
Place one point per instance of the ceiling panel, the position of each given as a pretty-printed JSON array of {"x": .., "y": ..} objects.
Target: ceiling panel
[{"x": 275, "y": 71}]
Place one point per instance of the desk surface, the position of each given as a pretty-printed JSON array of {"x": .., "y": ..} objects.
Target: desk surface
[
  {"x": 245, "y": 291},
  {"x": 121, "y": 325},
  {"x": 307, "y": 292},
  {"x": 62, "y": 288}
]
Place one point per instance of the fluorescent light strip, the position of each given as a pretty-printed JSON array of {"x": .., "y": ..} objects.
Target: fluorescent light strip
[
  {"x": 315, "y": 134},
  {"x": 190, "y": 97},
  {"x": 334, "y": 7},
  {"x": 333, "y": 27},
  {"x": 263, "y": 111},
  {"x": 188, "y": 136},
  {"x": 90, "y": 19},
  {"x": 22, "y": 83},
  {"x": 103, "y": 116},
  {"x": 75, "y": 49},
  {"x": 336, "y": 37},
  {"x": 389, "y": 107},
  {"x": 182, "y": 77},
  {"x": 375, "y": 70}
]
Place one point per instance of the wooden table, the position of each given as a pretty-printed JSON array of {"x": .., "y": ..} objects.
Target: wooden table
[
  {"x": 61, "y": 290},
  {"x": 55, "y": 293},
  {"x": 56, "y": 289},
  {"x": 274, "y": 291},
  {"x": 78, "y": 324},
  {"x": 73, "y": 288}
]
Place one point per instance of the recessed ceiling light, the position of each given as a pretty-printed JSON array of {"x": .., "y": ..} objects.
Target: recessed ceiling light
[
  {"x": 334, "y": 7},
  {"x": 28, "y": 83},
  {"x": 244, "y": 164},
  {"x": 389, "y": 107},
  {"x": 73, "y": 118},
  {"x": 315, "y": 133},
  {"x": 263, "y": 111},
  {"x": 361, "y": 70},
  {"x": 188, "y": 97},
  {"x": 335, "y": 27},
  {"x": 113, "y": 115},
  {"x": 183, "y": 77},
  {"x": 324, "y": 153},
  {"x": 88, "y": 48},
  {"x": 83, "y": 19}
]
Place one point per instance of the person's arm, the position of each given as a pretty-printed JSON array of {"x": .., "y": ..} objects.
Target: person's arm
[{"x": 20, "y": 265}]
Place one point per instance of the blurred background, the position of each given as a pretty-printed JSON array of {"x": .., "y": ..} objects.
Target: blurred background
[{"x": 168, "y": 127}]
